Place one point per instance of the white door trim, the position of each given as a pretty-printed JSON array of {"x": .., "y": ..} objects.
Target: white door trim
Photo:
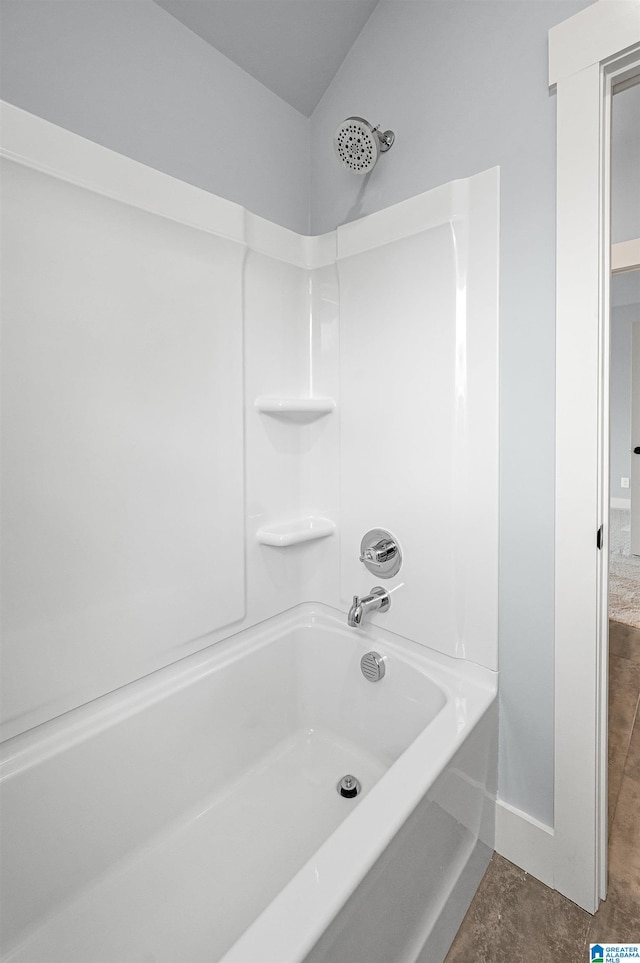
[{"x": 584, "y": 53}]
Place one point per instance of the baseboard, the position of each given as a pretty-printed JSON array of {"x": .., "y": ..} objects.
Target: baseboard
[
  {"x": 622, "y": 503},
  {"x": 524, "y": 841}
]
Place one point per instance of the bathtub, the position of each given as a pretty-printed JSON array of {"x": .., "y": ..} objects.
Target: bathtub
[{"x": 193, "y": 816}]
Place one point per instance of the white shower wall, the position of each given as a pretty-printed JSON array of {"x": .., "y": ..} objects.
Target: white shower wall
[
  {"x": 122, "y": 441},
  {"x": 419, "y": 410},
  {"x": 144, "y": 319}
]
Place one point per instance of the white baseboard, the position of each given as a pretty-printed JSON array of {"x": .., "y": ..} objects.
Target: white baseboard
[
  {"x": 524, "y": 841},
  {"x": 622, "y": 503}
]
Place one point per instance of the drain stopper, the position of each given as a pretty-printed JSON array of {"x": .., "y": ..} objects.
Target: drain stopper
[{"x": 349, "y": 787}]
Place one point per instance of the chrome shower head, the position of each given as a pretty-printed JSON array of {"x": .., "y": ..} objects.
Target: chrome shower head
[{"x": 358, "y": 144}]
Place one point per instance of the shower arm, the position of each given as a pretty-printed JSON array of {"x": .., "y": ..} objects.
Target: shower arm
[{"x": 385, "y": 138}]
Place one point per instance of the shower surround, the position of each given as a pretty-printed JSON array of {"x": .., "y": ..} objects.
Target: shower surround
[{"x": 204, "y": 412}]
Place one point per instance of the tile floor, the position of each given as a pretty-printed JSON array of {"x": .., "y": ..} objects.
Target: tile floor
[
  {"x": 624, "y": 570},
  {"x": 516, "y": 919}
]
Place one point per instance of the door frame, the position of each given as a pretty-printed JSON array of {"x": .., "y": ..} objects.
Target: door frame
[{"x": 587, "y": 53}]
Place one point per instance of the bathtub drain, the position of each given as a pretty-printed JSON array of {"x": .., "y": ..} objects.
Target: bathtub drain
[{"x": 348, "y": 787}]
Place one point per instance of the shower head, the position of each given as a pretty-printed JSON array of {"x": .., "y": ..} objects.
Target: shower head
[{"x": 358, "y": 144}]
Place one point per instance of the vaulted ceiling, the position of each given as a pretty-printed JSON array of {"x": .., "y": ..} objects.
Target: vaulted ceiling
[{"x": 293, "y": 47}]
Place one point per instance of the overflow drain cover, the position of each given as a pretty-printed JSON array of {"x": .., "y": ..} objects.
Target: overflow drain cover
[
  {"x": 348, "y": 787},
  {"x": 372, "y": 666}
]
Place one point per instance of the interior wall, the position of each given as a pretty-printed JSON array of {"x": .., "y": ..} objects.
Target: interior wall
[
  {"x": 127, "y": 75},
  {"x": 625, "y": 288},
  {"x": 625, "y": 163},
  {"x": 122, "y": 443},
  {"x": 464, "y": 87},
  {"x": 152, "y": 334},
  {"x": 625, "y": 311},
  {"x": 419, "y": 412},
  {"x": 141, "y": 320}
]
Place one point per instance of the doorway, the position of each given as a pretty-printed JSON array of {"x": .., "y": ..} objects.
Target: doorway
[
  {"x": 624, "y": 514},
  {"x": 624, "y": 486},
  {"x": 589, "y": 54},
  {"x": 624, "y": 381}
]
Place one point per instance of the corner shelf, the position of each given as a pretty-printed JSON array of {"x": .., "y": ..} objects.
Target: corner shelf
[
  {"x": 295, "y": 406},
  {"x": 291, "y": 533}
]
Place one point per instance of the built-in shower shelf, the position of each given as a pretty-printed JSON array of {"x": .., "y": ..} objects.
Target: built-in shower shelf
[
  {"x": 295, "y": 406},
  {"x": 300, "y": 530}
]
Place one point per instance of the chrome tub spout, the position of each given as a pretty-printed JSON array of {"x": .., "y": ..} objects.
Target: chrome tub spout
[{"x": 378, "y": 600}]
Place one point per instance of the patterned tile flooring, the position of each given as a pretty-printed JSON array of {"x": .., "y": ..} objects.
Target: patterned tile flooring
[
  {"x": 516, "y": 919},
  {"x": 624, "y": 571},
  {"x": 624, "y": 589}
]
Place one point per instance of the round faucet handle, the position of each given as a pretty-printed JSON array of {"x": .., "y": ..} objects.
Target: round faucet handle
[{"x": 380, "y": 553}]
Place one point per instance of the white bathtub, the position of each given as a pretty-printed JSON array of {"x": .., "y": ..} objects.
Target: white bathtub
[{"x": 193, "y": 816}]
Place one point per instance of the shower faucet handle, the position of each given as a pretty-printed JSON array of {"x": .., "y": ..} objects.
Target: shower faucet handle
[{"x": 380, "y": 553}]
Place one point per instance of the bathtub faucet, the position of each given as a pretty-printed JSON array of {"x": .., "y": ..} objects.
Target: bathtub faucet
[{"x": 379, "y": 599}]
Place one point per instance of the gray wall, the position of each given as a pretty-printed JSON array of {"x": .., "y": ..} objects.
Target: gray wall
[
  {"x": 126, "y": 74},
  {"x": 625, "y": 165},
  {"x": 625, "y": 288},
  {"x": 464, "y": 87},
  {"x": 626, "y": 310}
]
